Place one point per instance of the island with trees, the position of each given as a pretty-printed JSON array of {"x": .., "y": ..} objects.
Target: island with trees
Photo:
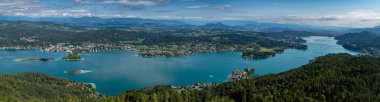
[
  {"x": 72, "y": 57},
  {"x": 77, "y": 71}
]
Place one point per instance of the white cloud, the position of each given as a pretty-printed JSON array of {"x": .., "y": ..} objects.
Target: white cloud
[
  {"x": 79, "y": 11},
  {"x": 20, "y": 14},
  {"x": 179, "y": 17},
  {"x": 125, "y": 2},
  {"x": 359, "y": 15},
  {"x": 18, "y": 7},
  {"x": 196, "y": 7},
  {"x": 216, "y": 6},
  {"x": 71, "y": 13},
  {"x": 356, "y": 18},
  {"x": 10, "y": 3},
  {"x": 223, "y": 6},
  {"x": 188, "y": 0}
]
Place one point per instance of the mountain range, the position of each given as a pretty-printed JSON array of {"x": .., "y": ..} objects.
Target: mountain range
[{"x": 98, "y": 22}]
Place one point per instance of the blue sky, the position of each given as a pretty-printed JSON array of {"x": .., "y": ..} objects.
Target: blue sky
[{"x": 343, "y": 13}]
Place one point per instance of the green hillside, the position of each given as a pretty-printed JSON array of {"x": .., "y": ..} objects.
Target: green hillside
[{"x": 41, "y": 87}]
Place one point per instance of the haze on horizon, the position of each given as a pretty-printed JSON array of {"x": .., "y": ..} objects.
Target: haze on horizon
[{"x": 340, "y": 13}]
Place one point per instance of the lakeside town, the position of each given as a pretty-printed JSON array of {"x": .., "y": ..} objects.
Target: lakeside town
[
  {"x": 235, "y": 75},
  {"x": 70, "y": 48}
]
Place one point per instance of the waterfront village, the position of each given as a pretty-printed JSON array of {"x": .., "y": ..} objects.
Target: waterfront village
[
  {"x": 86, "y": 47},
  {"x": 241, "y": 74},
  {"x": 234, "y": 76},
  {"x": 72, "y": 48}
]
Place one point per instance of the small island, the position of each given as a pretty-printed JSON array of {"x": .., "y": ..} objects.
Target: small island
[
  {"x": 72, "y": 57},
  {"x": 35, "y": 60},
  {"x": 75, "y": 72}
]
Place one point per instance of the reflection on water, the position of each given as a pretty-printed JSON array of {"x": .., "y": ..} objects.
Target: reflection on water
[{"x": 117, "y": 71}]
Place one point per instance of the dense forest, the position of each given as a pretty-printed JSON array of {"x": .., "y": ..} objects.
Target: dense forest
[
  {"x": 36, "y": 87},
  {"x": 334, "y": 77},
  {"x": 365, "y": 42}
]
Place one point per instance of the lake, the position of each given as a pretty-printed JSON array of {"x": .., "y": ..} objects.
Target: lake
[{"x": 116, "y": 71}]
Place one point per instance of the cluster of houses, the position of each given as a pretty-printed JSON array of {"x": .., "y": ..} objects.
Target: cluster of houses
[
  {"x": 201, "y": 86},
  {"x": 196, "y": 86},
  {"x": 17, "y": 47},
  {"x": 241, "y": 74},
  {"x": 235, "y": 75},
  {"x": 87, "y": 47}
]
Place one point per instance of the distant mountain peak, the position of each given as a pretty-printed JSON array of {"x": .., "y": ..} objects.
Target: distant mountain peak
[
  {"x": 217, "y": 23},
  {"x": 89, "y": 17}
]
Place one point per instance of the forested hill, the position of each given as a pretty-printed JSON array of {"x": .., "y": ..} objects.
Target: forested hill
[
  {"x": 365, "y": 42},
  {"x": 35, "y": 26},
  {"x": 337, "y": 77},
  {"x": 40, "y": 87}
]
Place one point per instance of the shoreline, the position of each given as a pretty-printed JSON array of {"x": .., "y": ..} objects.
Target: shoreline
[{"x": 144, "y": 56}]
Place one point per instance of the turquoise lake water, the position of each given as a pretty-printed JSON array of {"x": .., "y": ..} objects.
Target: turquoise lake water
[{"x": 116, "y": 71}]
